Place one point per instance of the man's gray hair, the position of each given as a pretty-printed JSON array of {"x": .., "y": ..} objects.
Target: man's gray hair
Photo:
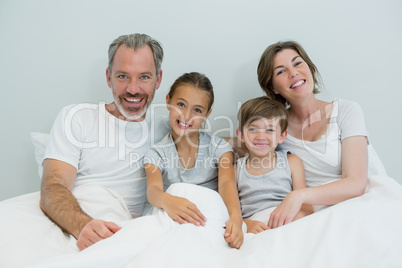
[{"x": 136, "y": 41}]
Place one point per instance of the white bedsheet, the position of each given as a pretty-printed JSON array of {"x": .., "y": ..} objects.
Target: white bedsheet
[{"x": 360, "y": 232}]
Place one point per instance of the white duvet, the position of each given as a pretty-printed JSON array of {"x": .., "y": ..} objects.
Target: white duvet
[{"x": 361, "y": 232}]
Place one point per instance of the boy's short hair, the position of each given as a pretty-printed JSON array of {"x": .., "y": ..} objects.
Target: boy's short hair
[{"x": 259, "y": 108}]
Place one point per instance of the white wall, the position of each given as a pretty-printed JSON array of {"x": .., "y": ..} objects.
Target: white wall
[{"x": 54, "y": 53}]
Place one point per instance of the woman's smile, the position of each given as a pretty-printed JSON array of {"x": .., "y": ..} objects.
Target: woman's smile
[{"x": 298, "y": 83}]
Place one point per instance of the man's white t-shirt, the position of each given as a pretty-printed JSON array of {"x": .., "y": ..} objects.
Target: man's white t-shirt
[{"x": 105, "y": 150}]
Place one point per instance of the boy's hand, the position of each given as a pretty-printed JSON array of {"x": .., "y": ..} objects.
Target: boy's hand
[
  {"x": 183, "y": 211},
  {"x": 234, "y": 233},
  {"x": 255, "y": 227}
]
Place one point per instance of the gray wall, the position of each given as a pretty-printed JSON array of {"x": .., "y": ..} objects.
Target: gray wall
[{"x": 53, "y": 53}]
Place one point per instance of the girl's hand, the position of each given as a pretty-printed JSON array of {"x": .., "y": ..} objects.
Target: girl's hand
[
  {"x": 234, "y": 232},
  {"x": 286, "y": 211},
  {"x": 255, "y": 227},
  {"x": 183, "y": 211}
]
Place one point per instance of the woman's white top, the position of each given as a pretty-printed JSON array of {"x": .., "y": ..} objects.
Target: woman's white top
[{"x": 322, "y": 158}]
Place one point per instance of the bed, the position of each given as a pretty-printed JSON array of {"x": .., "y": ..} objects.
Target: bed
[{"x": 361, "y": 232}]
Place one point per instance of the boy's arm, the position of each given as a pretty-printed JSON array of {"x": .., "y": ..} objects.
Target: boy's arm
[
  {"x": 299, "y": 182},
  {"x": 228, "y": 190},
  {"x": 288, "y": 208},
  {"x": 252, "y": 226},
  {"x": 178, "y": 208}
]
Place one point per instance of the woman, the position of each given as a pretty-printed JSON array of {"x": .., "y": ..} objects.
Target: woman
[{"x": 330, "y": 138}]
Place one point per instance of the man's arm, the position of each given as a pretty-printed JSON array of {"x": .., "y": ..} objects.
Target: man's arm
[{"x": 59, "y": 204}]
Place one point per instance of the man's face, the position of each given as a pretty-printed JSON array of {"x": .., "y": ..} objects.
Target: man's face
[{"x": 133, "y": 80}]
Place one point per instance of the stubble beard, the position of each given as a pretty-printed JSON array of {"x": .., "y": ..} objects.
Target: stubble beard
[{"x": 133, "y": 114}]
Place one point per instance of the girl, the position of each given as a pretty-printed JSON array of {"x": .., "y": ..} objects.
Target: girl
[{"x": 188, "y": 155}]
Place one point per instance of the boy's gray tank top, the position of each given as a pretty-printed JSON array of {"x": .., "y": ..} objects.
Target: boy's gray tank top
[{"x": 257, "y": 193}]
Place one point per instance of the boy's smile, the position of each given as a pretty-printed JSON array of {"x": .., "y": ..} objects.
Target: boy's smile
[{"x": 262, "y": 136}]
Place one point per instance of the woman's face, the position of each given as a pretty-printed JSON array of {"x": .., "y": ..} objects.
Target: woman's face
[{"x": 292, "y": 77}]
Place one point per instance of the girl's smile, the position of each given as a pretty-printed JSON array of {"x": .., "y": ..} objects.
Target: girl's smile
[
  {"x": 182, "y": 125},
  {"x": 188, "y": 109}
]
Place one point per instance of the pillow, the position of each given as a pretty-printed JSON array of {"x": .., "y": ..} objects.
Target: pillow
[{"x": 39, "y": 141}]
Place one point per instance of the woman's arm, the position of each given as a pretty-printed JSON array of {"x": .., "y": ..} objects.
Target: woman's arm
[
  {"x": 354, "y": 175},
  {"x": 353, "y": 183},
  {"x": 178, "y": 208},
  {"x": 228, "y": 190}
]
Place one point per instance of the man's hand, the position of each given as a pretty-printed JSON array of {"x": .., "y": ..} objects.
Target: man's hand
[
  {"x": 183, "y": 211},
  {"x": 255, "y": 227},
  {"x": 94, "y": 231},
  {"x": 234, "y": 233}
]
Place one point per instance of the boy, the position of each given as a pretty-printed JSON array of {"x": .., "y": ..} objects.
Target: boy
[{"x": 265, "y": 176}]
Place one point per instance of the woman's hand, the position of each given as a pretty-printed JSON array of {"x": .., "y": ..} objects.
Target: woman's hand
[
  {"x": 287, "y": 210},
  {"x": 183, "y": 211},
  {"x": 255, "y": 227},
  {"x": 234, "y": 233}
]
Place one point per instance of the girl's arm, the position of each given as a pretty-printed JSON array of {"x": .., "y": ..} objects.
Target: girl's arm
[
  {"x": 228, "y": 191},
  {"x": 239, "y": 149},
  {"x": 178, "y": 208},
  {"x": 353, "y": 183}
]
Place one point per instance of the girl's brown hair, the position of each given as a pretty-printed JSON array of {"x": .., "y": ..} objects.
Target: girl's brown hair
[{"x": 196, "y": 80}]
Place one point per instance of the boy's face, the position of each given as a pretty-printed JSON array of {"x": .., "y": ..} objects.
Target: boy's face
[{"x": 262, "y": 136}]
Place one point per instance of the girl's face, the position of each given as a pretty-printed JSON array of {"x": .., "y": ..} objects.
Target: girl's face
[
  {"x": 188, "y": 109},
  {"x": 292, "y": 77}
]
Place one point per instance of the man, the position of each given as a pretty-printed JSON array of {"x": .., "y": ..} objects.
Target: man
[{"x": 104, "y": 144}]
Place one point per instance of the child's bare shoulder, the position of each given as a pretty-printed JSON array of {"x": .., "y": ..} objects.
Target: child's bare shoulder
[{"x": 294, "y": 159}]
